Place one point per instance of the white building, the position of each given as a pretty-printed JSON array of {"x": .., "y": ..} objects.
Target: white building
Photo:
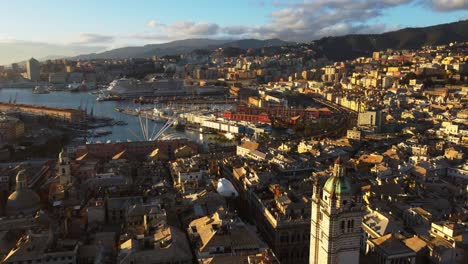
[
  {"x": 335, "y": 230},
  {"x": 187, "y": 170}
]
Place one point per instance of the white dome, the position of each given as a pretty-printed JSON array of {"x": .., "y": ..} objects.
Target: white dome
[{"x": 226, "y": 189}]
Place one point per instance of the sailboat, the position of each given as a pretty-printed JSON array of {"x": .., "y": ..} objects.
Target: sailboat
[
  {"x": 120, "y": 122},
  {"x": 86, "y": 107},
  {"x": 81, "y": 101},
  {"x": 91, "y": 112}
]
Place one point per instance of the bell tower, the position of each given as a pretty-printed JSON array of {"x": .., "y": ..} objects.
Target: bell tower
[
  {"x": 64, "y": 169},
  {"x": 335, "y": 220}
]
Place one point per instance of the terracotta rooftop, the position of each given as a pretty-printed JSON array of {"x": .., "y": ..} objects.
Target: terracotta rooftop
[
  {"x": 415, "y": 243},
  {"x": 250, "y": 145},
  {"x": 372, "y": 158},
  {"x": 391, "y": 245}
]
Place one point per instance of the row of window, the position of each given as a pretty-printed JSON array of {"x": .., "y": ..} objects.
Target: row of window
[
  {"x": 347, "y": 226},
  {"x": 285, "y": 238},
  {"x": 294, "y": 254},
  {"x": 46, "y": 260}
]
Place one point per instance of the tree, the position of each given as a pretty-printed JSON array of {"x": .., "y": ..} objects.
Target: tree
[
  {"x": 428, "y": 82},
  {"x": 408, "y": 77}
]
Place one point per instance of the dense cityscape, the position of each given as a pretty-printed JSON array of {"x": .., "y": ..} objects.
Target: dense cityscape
[{"x": 271, "y": 154}]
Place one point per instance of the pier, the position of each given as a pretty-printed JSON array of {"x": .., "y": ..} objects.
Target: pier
[{"x": 63, "y": 114}]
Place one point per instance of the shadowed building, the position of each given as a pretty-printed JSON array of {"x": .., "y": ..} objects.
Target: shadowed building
[
  {"x": 23, "y": 201},
  {"x": 33, "y": 68}
]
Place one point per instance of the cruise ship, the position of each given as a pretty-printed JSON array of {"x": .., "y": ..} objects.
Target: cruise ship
[{"x": 130, "y": 87}]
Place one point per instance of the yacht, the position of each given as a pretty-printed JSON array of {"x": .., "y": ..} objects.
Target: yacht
[
  {"x": 154, "y": 87},
  {"x": 109, "y": 97},
  {"x": 41, "y": 89}
]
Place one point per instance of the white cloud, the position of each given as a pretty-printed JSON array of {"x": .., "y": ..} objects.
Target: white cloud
[
  {"x": 191, "y": 28},
  {"x": 235, "y": 30},
  {"x": 449, "y": 5},
  {"x": 181, "y": 29},
  {"x": 91, "y": 38},
  {"x": 153, "y": 24},
  {"x": 293, "y": 21},
  {"x": 308, "y": 20},
  {"x": 13, "y": 50}
]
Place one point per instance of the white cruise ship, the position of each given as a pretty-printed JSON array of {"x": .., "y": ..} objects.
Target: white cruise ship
[{"x": 155, "y": 87}]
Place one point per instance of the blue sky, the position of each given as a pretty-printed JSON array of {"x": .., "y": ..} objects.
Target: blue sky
[{"x": 64, "y": 27}]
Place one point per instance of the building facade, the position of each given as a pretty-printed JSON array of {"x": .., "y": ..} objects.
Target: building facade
[
  {"x": 33, "y": 68},
  {"x": 335, "y": 228},
  {"x": 64, "y": 169}
]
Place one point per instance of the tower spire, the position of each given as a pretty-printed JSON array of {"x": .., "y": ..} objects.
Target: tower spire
[
  {"x": 21, "y": 181},
  {"x": 316, "y": 186},
  {"x": 339, "y": 169}
]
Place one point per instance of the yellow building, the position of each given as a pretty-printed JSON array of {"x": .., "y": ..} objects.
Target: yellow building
[
  {"x": 70, "y": 115},
  {"x": 393, "y": 69},
  {"x": 255, "y": 101}
]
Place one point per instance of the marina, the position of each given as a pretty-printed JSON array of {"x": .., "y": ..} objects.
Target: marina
[{"x": 122, "y": 116}]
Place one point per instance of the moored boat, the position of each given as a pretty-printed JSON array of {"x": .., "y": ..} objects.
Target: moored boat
[
  {"x": 39, "y": 89},
  {"x": 102, "y": 98}
]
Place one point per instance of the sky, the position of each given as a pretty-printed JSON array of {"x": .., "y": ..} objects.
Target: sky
[{"x": 54, "y": 28}]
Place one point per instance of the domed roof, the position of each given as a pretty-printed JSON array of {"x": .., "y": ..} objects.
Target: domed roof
[
  {"x": 23, "y": 200},
  {"x": 338, "y": 186}
]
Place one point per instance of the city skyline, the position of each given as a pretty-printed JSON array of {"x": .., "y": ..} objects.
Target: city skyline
[
  {"x": 56, "y": 28},
  {"x": 231, "y": 137}
]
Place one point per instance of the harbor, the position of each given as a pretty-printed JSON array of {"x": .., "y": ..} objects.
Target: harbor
[{"x": 118, "y": 118}]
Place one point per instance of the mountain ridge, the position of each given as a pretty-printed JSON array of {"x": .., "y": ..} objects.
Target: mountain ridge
[
  {"x": 179, "y": 46},
  {"x": 349, "y": 46},
  {"x": 335, "y": 48}
]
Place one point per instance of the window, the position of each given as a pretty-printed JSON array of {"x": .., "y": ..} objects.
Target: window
[
  {"x": 284, "y": 237},
  {"x": 283, "y": 254},
  {"x": 342, "y": 226},
  {"x": 304, "y": 253},
  {"x": 293, "y": 253},
  {"x": 350, "y": 225}
]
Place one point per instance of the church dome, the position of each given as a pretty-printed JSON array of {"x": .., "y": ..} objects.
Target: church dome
[
  {"x": 338, "y": 186},
  {"x": 23, "y": 200}
]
